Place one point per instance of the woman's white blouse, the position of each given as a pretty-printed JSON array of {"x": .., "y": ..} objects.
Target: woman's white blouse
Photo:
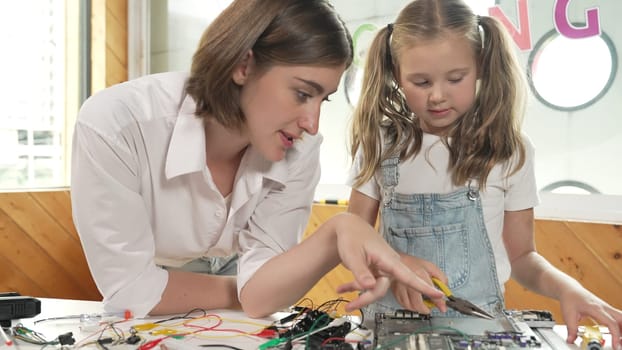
[{"x": 142, "y": 195}]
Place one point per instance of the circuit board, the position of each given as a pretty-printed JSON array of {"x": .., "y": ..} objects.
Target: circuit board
[{"x": 405, "y": 330}]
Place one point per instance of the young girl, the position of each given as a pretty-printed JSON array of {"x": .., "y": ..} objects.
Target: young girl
[
  {"x": 438, "y": 150},
  {"x": 175, "y": 175}
]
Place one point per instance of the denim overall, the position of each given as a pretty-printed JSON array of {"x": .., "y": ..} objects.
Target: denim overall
[
  {"x": 213, "y": 265},
  {"x": 445, "y": 229}
]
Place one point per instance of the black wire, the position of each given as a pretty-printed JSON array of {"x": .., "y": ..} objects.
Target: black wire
[
  {"x": 306, "y": 299},
  {"x": 222, "y": 346},
  {"x": 331, "y": 303},
  {"x": 186, "y": 316},
  {"x": 118, "y": 332}
]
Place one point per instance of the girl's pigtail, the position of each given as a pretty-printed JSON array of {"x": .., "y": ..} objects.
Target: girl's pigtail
[
  {"x": 376, "y": 90},
  {"x": 501, "y": 96}
]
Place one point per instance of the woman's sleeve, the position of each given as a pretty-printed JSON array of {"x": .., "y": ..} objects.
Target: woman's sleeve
[
  {"x": 279, "y": 220},
  {"x": 109, "y": 213}
]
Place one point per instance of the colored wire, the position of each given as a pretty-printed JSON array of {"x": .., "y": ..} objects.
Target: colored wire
[
  {"x": 312, "y": 329},
  {"x": 299, "y": 304},
  {"x": 29, "y": 336},
  {"x": 199, "y": 328},
  {"x": 186, "y": 316},
  {"x": 118, "y": 336}
]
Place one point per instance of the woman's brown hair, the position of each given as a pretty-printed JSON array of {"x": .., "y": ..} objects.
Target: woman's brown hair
[{"x": 279, "y": 32}]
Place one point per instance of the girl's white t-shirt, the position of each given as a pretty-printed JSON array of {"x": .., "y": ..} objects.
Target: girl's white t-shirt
[{"x": 427, "y": 173}]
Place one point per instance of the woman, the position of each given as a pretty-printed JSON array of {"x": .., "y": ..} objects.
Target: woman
[{"x": 172, "y": 172}]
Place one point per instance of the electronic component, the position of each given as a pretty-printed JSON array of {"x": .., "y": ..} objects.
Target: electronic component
[
  {"x": 316, "y": 328},
  {"x": 512, "y": 330},
  {"x": 533, "y": 318},
  {"x": 310, "y": 320},
  {"x": 592, "y": 338},
  {"x": 133, "y": 339},
  {"x": 66, "y": 339},
  {"x": 14, "y": 306}
]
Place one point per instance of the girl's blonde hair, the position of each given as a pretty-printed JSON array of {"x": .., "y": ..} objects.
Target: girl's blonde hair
[
  {"x": 486, "y": 135},
  {"x": 279, "y": 32}
]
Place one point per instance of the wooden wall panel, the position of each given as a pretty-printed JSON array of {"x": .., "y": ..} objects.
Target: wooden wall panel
[
  {"x": 108, "y": 43},
  {"x": 13, "y": 279},
  {"x": 42, "y": 247},
  {"x": 590, "y": 253},
  {"x": 42, "y": 255},
  {"x": 116, "y": 42}
]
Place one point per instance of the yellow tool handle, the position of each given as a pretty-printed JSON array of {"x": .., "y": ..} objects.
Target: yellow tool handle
[
  {"x": 429, "y": 303},
  {"x": 442, "y": 286}
]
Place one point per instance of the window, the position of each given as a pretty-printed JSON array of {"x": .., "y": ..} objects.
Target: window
[
  {"x": 40, "y": 89},
  {"x": 572, "y": 74}
]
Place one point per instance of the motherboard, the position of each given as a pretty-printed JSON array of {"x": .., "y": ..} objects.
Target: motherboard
[{"x": 524, "y": 329}]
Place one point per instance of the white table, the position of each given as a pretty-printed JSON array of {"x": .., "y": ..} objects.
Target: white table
[
  {"x": 235, "y": 330},
  {"x": 232, "y": 329}
]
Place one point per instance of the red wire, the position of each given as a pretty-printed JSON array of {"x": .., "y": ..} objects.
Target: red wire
[
  {"x": 328, "y": 340},
  {"x": 150, "y": 344}
]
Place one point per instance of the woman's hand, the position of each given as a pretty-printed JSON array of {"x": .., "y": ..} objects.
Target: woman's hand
[
  {"x": 374, "y": 264},
  {"x": 578, "y": 303}
]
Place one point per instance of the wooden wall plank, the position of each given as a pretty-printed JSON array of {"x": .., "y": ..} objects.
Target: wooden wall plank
[
  {"x": 108, "y": 43},
  {"x": 46, "y": 259},
  {"x": 42, "y": 228},
  {"x": 117, "y": 72},
  {"x": 35, "y": 261},
  {"x": 116, "y": 42},
  {"x": 562, "y": 246},
  {"x": 605, "y": 241},
  {"x": 14, "y": 280},
  {"x": 50, "y": 253},
  {"x": 585, "y": 251},
  {"x": 116, "y": 10},
  {"x": 55, "y": 204},
  {"x": 116, "y": 31}
]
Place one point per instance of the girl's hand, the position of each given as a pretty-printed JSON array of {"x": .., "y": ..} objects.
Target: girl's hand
[
  {"x": 410, "y": 298},
  {"x": 373, "y": 263},
  {"x": 579, "y": 303}
]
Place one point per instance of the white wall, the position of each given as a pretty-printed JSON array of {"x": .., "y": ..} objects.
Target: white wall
[{"x": 584, "y": 145}]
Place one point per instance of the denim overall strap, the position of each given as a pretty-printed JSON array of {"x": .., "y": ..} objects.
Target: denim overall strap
[
  {"x": 389, "y": 178},
  {"x": 213, "y": 265},
  {"x": 447, "y": 230}
]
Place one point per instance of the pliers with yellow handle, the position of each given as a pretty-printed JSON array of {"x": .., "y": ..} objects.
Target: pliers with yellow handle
[{"x": 461, "y": 305}]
